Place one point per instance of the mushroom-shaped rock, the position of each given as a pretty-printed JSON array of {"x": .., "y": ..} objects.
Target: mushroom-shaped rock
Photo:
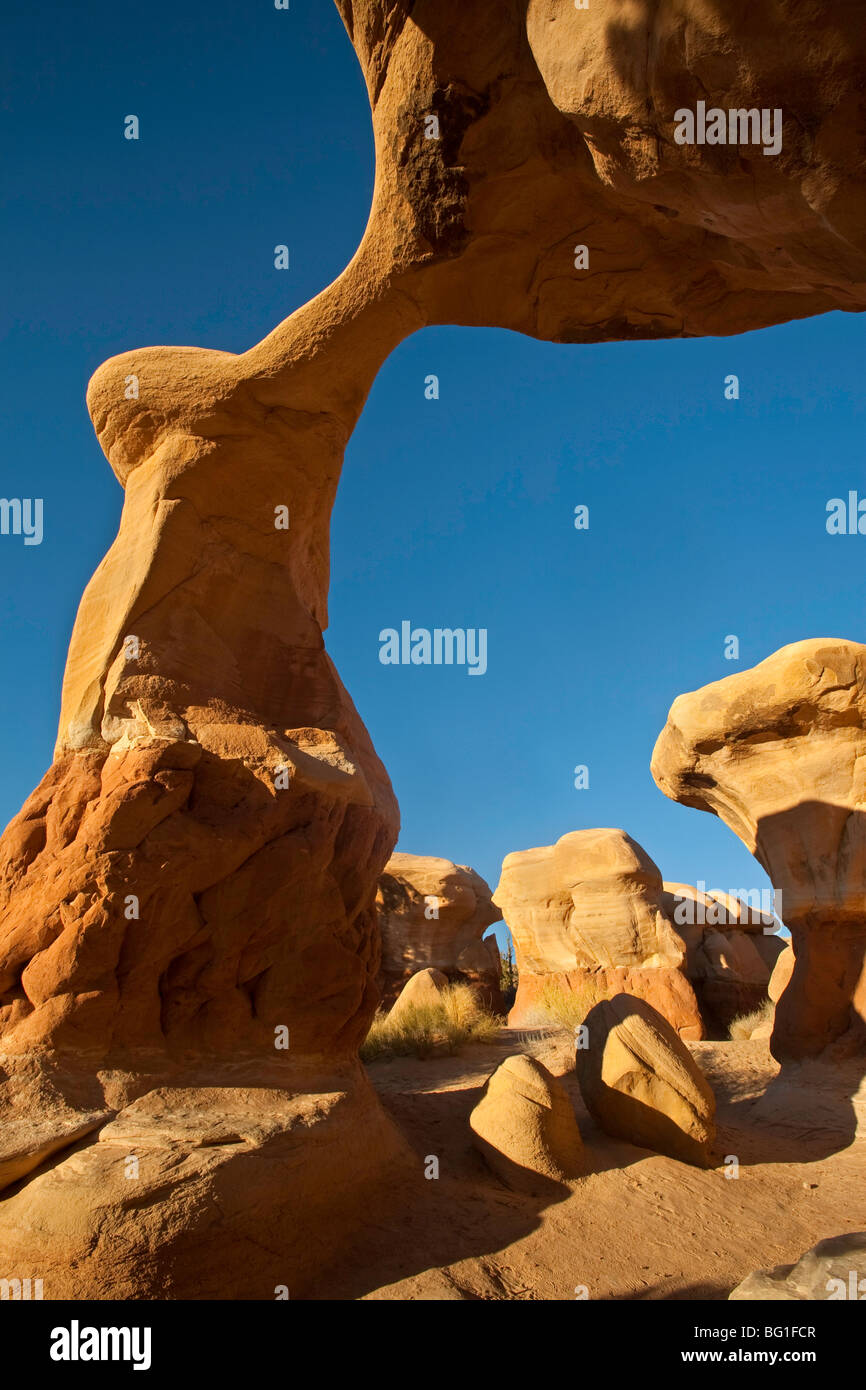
[
  {"x": 641, "y": 1083},
  {"x": 589, "y": 914},
  {"x": 778, "y": 752},
  {"x": 420, "y": 991},
  {"x": 832, "y": 1270},
  {"x": 525, "y": 1126},
  {"x": 433, "y": 914}
]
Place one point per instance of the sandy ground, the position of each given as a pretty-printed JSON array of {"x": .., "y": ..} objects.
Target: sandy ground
[{"x": 638, "y": 1225}]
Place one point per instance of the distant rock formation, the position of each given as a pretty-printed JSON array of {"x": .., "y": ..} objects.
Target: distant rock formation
[
  {"x": 589, "y": 914},
  {"x": 641, "y": 1083},
  {"x": 729, "y": 959},
  {"x": 777, "y": 752},
  {"x": 433, "y": 913},
  {"x": 782, "y": 971}
]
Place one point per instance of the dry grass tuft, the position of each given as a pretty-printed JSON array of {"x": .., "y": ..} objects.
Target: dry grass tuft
[
  {"x": 742, "y": 1028},
  {"x": 564, "y": 1009},
  {"x": 455, "y": 1018}
]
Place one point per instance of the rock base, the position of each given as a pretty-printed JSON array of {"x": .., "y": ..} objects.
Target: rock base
[{"x": 237, "y": 1189}]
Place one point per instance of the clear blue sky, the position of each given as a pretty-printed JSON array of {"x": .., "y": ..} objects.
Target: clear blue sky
[{"x": 707, "y": 516}]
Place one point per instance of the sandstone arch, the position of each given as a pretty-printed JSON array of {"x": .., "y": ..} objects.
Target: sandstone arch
[{"x": 254, "y": 904}]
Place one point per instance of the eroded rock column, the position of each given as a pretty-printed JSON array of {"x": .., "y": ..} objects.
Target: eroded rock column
[{"x": 779, "y": 754}]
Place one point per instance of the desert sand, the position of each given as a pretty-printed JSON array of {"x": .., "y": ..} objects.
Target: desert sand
[{"x": 638, "y": 1225}]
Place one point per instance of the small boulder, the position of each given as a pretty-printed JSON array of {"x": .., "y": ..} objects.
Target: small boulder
[
  {"x": 831, "y": 1271},
  {"x": 419, "y": 991},
  {"x": 641, "y": 1083},
  {"x": 524, "y": 1126}
]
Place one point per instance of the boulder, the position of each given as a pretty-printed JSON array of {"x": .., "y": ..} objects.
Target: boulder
[
  {"x": 219, "y": 1191},
  {"x": 832, "y": 1271},
  {"x": 433, "y": 914},
  {"x": 525, "y": 1127},
  {"x": 777, "y": 752},
  {"x": 420, "y": 991},
  {"x": 588, "y": 916},
  {"x": 641, "y": 1083}
]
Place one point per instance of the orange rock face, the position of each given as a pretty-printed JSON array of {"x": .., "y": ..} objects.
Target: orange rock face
[
  {"x": 557, "y": 128},
  {"x": 588, "y": 915},
  {"x": 777, "y": 752},
  {"x": 197, "y": 869},
  {"x": 433, "y": 914}
]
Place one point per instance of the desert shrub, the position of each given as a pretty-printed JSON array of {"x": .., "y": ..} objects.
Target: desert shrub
[
  {"x": 564, "y": 1009},
  {"x": 508, "y": 977},
  {"x": 454, "y": 1018},
  {"x": 744, "y": 1025}
]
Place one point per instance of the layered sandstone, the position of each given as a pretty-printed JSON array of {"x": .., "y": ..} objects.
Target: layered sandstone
[
  {"x": 525, "y": 1127},
  {"x": 641, "y": 1083},
  {"x": 433, "y": 915},
  {"x": 195, "y": 875},
  {"x": 777, "y": 752},
  {"x": 241, "y": 1184},
  {"x": 589, "y": 916},
  {"x": 730, "y": 952}
]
